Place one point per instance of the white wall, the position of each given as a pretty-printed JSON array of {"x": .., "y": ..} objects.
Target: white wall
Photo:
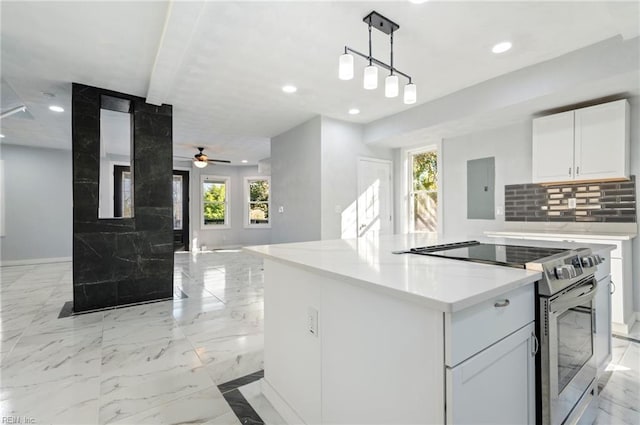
[
  {"x": 511, "y": 147},
  {"x": 342, "y": 145},
  {"x": 237, "y": 235},
  {"x": 295, "y": 183},
  {"x": 38, "y": 204}
]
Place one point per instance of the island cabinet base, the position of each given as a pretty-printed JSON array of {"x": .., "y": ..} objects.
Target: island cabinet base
[{"x": 339, "y": 353}]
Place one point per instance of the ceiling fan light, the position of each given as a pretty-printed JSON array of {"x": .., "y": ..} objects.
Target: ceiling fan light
[
  {"x": 370, "y": 77},
  {"x": 391, "y": 86},
  {"x": 200, "y": 164},
  {"x": 345, "y": 68},
  {"x": 410, "y": 94}
]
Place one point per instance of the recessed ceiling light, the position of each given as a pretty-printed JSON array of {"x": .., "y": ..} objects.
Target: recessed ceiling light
[
  {"x": 354, "y": 111},
  {"x": 501, "y": 47},
  {"x": 1, "y": 136},
  {"x": 56, "y": 108},
  {"x": 289, "y": 89},
  {"x": 244, "y": 161}
]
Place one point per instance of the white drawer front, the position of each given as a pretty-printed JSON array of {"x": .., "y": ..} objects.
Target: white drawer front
[{"x": 476, "y": 328}]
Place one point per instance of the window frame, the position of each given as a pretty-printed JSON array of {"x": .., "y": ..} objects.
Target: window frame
[
  {"x": 247, "y": 200},
  {"x": 405, "y": 203},
  {"x": 206, "y": 178}
]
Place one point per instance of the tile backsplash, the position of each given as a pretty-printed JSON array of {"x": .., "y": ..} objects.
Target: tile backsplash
[{"x": 606, "y": 202}]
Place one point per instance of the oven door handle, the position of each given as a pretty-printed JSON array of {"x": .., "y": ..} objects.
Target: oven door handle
[{"x": 570, "y": 300}]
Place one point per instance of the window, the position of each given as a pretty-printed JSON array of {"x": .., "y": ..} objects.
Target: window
[
  {"x": 257, "y": 204},
  {"x": 215, "y": 203},
  {"x": 423, "y": 209}
]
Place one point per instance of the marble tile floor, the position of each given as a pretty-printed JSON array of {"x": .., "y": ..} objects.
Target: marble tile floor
[
  {"x": 164, "y": 362},
  {"x": 157, "y": 363}
]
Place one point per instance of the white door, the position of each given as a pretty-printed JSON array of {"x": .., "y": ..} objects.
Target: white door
[
  {"x": 497, "y": 385},
  {"x": 374, "y": 197},
  {"x": 553, "y": 148}
]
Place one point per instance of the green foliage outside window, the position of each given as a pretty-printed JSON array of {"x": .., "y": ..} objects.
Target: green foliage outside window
[
  {"x": 425, "y": 171},
  {"x": 259, "y": 201},
  {"x": 214, "y": 202}
]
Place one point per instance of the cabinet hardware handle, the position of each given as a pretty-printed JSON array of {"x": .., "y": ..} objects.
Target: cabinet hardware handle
[
  {"x": 502, "y": 303},
  {"x": 578, "y": 170},
  {"x": 569, "y": 170},
  {"x": 536, "y": 345},
  {"x": 613, "y": 288}
]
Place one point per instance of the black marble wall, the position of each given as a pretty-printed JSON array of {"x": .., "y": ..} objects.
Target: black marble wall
[{"x": 124, "y": 260}]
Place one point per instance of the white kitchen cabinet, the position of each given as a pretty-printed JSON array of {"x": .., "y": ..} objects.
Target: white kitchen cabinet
[
  {"x": 590, "y": 143},
  {"x": 497, "y": 385},
  {"x": 602, "y": 141},
  {"x": 553, "y": 141},
  {"x": 492, "y": 345},
  {"x": 603, "y": 324}
]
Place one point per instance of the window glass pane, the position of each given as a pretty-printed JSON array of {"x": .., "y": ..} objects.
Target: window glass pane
[
  {"x": 425, "y": 171},
  {"x": 425, "y": 207},
  {"x": 258, "y": 190},
  {"x": 259, "y": 213},
  {"x": 177, "y": 202},
  {"x": 214, "y": 200},
  {"x": 127, "y": 202},
  {"x": 424, "y": 195}
]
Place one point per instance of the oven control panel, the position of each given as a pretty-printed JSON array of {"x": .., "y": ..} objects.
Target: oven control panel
[{"x": 564, "y": 271}]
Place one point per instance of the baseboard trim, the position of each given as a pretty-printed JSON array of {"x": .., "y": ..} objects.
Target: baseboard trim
[
  {"x": 34, "y": 261},
  {"x": 279, "y": 404}
]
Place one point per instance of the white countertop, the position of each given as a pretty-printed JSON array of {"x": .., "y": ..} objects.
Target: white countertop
[
  {"x": 610, "y": 236},
  {"x": 442, "y": 284}
]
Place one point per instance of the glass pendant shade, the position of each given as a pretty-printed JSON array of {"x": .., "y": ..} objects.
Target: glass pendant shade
[
  {"x": 391, "y": 86},
  {"x": 345, "y": 68},
  {"x": 371, "y": 77},
  {"x": 410, "y": 94},
  {"x": 200, "y": 164}
]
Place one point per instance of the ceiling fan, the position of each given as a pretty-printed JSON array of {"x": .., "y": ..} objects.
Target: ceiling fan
[{"x": 201, "y": 159}]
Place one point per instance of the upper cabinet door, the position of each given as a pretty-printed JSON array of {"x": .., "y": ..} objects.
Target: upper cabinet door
[
  {"x": 553, "y": 148},
  {"x": 602, "y": 141}
]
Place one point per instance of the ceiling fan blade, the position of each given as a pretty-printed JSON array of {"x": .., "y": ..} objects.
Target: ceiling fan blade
[{"x": 219, "y": 160}]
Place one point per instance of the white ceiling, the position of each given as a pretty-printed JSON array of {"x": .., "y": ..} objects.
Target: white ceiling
[{"x": 222, "y": 64}]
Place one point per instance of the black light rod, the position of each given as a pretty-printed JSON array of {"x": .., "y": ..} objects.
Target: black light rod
[{"x": 377, "y": 62}]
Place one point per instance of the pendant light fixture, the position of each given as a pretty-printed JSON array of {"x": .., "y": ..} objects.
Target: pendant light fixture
[{"x": 370, "y": 81}]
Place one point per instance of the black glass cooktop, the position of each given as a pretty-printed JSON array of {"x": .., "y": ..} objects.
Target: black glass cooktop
[{"x": 505, "y": 255}]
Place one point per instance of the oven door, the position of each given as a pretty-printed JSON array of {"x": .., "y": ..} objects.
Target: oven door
[{"x": 571, "y": 362}]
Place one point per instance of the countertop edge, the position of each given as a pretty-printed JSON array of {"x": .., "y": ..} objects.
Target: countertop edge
[
  {"x": 602, "y": 236},
  {"x": 442, "y": 306}
]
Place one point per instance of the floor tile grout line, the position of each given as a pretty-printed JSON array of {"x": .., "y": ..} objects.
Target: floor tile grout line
[{"x": 626, "y": 338}]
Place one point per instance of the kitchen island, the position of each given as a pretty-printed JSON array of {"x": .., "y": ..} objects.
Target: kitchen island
[{"x": 357, "y": 334}]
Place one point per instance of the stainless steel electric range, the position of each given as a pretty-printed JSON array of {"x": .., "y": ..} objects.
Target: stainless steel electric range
[{"x": 565, "y": 318}]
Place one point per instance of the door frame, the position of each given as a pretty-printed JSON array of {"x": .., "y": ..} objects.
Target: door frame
[
  {"x": 359, "y": 160},
  {"x": 186, "y": 205},
  {"x": 118, "y": 170}
]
